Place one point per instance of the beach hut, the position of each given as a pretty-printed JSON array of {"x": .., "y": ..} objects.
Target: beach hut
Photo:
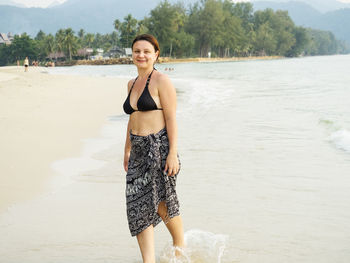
[
  {"x": 85, "y": 52},
  {"x": 115, "y": 52},
  {"x": 128, "y": 52},
  {"x": 56, "y": 56},
  {"x": 99, "y": 52}
]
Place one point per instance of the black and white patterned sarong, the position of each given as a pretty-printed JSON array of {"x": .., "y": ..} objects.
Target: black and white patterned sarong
[{"x": 146, "y": 184}]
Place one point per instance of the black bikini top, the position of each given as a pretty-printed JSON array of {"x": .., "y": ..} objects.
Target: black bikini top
[{"x": 145, "y": 101}]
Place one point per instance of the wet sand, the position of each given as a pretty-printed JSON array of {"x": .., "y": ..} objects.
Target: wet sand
[{"x": 44, "y": 118}]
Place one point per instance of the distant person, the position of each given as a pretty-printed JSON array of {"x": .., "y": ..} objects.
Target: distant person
[
  {"x": 26, "y": 64},
  {"x": 17, "y": 63},
  {"x": 150, "y": 156}
]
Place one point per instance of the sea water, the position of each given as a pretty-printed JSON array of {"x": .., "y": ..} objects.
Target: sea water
[{"x": 265, "y": 151}]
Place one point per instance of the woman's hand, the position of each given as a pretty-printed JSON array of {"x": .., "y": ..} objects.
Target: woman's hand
[
  {"x": 126, "y": 161},
  {"x": 172, "y": 165}
]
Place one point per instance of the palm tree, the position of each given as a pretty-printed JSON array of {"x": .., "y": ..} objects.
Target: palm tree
[
  {"x": 114, "y": 38},
  {"x": 141, "y": 27},
  {"x": 129, "y": 27},
  {"x": 81, "y": 33},
  {"x": 49, "y": 44},
  {"x": 70, "y": 42},
  {"x": 116, "y": 24},
  {"x": 59, "y": 37},
  {"x": 66, "y": 42},
  {"x": 89, "y": 39}
]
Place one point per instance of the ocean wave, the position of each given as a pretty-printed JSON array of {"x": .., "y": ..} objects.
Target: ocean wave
[
  {"x": 201, "y": 247},
  {"x": 341, "y": 139}
]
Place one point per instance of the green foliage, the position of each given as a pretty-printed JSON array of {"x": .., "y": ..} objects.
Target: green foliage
[
  {"x": 21, "y": 47},
  {"x": 206, "y": 23},
  {"x": 4, "y": 55},
  {"x": 40, "y": 36},
  {"x": 67, "y": 42},
  {"x": 166, "y": 23},
  {"x": 301, "y": 41},
  {"x": 182, "y": 45},
  {"x": 221, "y": 27},
  {"x": 89, "y": 39},
  {"x": 323, "y": 43},
  {"x": 274, "y": 33},
  {"x": 128, "y": 30}
]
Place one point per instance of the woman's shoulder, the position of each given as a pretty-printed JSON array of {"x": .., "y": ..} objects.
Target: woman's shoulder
[
  {"x": 162, "y": 80},
  {"x": 160, "y": 76},
  {"x": 130, "y": 82}
]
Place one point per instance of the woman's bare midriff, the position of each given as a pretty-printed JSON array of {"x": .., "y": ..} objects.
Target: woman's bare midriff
[{"x": 146, "y": 122}]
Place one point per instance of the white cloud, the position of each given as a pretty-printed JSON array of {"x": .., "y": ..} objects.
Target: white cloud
[
  {"x": 37, "y": 3},
  {"x": 344, "y": 1}
]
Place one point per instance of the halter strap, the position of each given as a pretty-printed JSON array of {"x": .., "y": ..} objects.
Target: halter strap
[
  {"x": 149, "y": 77},
  {"x": 147, "y": 82}
]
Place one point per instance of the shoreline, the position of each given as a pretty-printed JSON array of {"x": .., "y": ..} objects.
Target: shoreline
[
  {"x": 189, "y": 60},
  {"x": 44, "y": 118},
  {"x": 162, "y": 60}
]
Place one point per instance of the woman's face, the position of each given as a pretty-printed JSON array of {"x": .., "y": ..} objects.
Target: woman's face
[{"x": 143, "y": 54}]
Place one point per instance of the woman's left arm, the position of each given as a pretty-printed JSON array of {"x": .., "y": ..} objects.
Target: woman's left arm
[{"x": 167, "y": 95}]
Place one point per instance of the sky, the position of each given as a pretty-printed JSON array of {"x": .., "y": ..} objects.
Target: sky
[{"x": 46, "y": 3}]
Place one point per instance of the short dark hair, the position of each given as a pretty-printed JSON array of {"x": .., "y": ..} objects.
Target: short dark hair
[{"x": 147, "y": 37}]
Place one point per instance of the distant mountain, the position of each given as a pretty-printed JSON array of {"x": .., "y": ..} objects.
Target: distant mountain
[
  {"x": 337, "y": 21},
  {"x": 322, "y": 6},
  {"x": 301, "y": 13},
  {"x": 91, "y": 15},
  {"x": 326, "y": 5},
  {"x": 98, "y": 16}
]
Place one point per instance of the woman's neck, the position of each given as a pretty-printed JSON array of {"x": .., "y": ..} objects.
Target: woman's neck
[{"x": 144, "y": 72}]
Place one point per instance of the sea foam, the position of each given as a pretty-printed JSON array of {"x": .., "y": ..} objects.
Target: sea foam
[
  {"x": 341, "y": 139},
  {"x": 201, "y": 247}
]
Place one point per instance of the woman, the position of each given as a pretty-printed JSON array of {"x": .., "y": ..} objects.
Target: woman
[
  {"x": 150, "y": 156},
  {"x": 26, "y": 64}
]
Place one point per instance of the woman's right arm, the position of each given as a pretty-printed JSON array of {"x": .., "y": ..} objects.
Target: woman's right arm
[{"x": 127, "y": 147}]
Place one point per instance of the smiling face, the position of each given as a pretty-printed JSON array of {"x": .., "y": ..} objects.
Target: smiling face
[{"x": 144, "y": 54}]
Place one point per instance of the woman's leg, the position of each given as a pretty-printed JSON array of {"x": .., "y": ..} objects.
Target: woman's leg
[
  {"x": 174, "y": 226},
  {"x": 146, "y": 244}
]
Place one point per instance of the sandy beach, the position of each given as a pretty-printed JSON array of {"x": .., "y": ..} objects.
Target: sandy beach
[
  {"x": 265, "y": 159},
  {"x": 44, "y": 118}
]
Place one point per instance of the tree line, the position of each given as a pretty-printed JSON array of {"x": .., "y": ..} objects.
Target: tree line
[{"x": 221, "y": 27}]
